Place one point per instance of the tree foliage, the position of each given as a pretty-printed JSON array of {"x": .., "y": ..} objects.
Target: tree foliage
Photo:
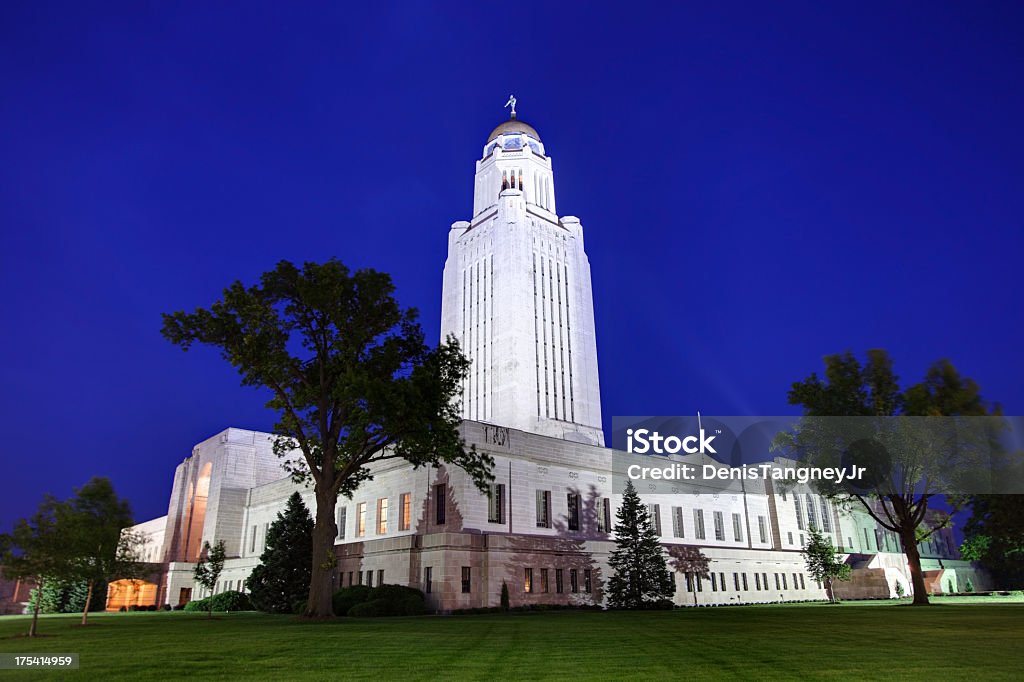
[
  {"x": 640, "y": 573},
  {"x": 994, "y": 537},
  {"x": 36, "y": 549},
  {"x": 912, "y": 460},
  {"x": 100, "y": 548},
  {"x": 282, "y": 578},
  {"x": 209, "y": 568},
  {"x": 823, "y": 563},
  {"x": 351, "y": 379}
]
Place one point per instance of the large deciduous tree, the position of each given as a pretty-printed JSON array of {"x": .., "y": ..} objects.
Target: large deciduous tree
[
  {"x": 917, "y": 459},
  {"x": 282, "y": 578},
  {"x": 641, "y": 576},
  {"x": 351, "y": 377}
]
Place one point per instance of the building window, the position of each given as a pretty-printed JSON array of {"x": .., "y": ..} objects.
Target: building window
[
  {"x": 744, "y": 576},
  {"x": 369, "y": 578},
  {"x": 803, "y": 585},
  {"x": 721, "y": 581},
  {"x": 604, "y": 515},
  {"x": 380, "y": 576},
  {"x": 440, "y": 503},
  {"x": 799, "y": 513},
  {"x": 689, "y": 582},
  {"x": 719, "y": 526},
  {"x": 812, "y": 516},
  {"x": 764, "y": 579},
  {"x": 677, "y": 523},
  {"x": 361, "y": 519},
  {"x": 698, "y": 523},
  {"x": 574, "y": 580},
  {"x": 801, "y": 539},
  {"x": 789, "y": 537},
  {"x": 382, "y": 516},
  {"x": 736, "y": 581},
  {"x": 360, "y": 573},
  {"x": 784, "y": 585},
  {"x": 777, "y": 582},
  {"x": 496, "y": 503},
  {"x": 737, "y": 528},
  {"x": 528, "y": 580},
  {"x": 252, "y": 540},
  {"x": 573, "y": 500},
  {"x": 466, "y": 583},
  {"x": 559, "y": 580},
  {"x": 428, "y": 579},
  {"x": 405, "y": 511},
  {"x": 654, "y": 510},
  {"x": 757, "y": 581},
  {"x": 795, "y": 585},
  {"x": 587, "y": 586},
  {"x": 543, "y": 508},
  {"x": 826, "y": 522},
  {"x": 867, "y": 542},
  {"x": 342, "y": 518},
  {"x": 544, "y": 580},
  {"x": 714, "y": 583},
  {"x": 762, "y": 527}
]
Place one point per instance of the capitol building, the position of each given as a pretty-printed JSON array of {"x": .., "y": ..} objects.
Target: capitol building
[{"x": 517, "y": 294}]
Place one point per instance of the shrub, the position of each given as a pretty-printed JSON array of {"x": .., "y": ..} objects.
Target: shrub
[
  {"x": 347, "y": 597},
  {"x": 397, "y": 592},
  {"x": 969, "y": 587},
  {"x": 123, "y": 609},
  {"x": 197, "y": 605},
  {"x": 504, "y": 596},
  {"x": 231, "y": 601},
  {"x": 899, "y": 590},
  {"x": 403, "y": 606},
  {"x": 299, "y": 607},
  {"x": 166, "y": 607}
]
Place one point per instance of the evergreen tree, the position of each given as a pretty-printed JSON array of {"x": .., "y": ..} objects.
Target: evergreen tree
[
  {"x": 641, "y": 573},
  {"x": 282, "y": 578}
]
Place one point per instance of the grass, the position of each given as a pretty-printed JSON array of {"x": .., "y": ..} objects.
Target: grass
[{"x": 956, "y": 638}]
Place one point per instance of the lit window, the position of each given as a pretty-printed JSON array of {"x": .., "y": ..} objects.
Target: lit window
[
  {"x": 382, "y": 516},
  {"x": 528, "y": 580},
  {"x": 361, "y": 519},
  {"x": 405, "y": 511}
]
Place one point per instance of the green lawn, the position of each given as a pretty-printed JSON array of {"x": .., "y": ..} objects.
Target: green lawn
[{"x": 957, "y": 638}]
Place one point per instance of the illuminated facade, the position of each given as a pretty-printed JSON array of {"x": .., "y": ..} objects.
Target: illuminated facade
[{"x": 517, "y": 295}]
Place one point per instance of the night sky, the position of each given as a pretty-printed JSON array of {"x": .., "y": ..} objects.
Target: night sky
[{"x": 759, "y": 186}]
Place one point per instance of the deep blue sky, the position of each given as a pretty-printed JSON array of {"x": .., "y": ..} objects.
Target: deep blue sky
[{"x": 759, "y": 186}]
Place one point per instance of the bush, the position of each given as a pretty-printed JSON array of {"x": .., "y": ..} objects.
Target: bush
[
  {"x": 166, "y": 607},
  {"x": 404, "y": 606},
  {"x": 299, "y": 607},
  {"x": 123, "y": 609},
  {"x": 347, "y": 597},
  {"x": 504, "y": 596},
  {"x": 197, "y": 605},
  {"x": 231, "y": 601},
  {"x": 969, "y": 587}
]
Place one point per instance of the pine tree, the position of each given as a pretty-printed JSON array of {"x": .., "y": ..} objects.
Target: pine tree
[
  {"x": 282, "y": 578},
  {"x": 641, "y": 577}
]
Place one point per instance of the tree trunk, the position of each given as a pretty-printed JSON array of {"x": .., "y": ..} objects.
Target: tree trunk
[
  {"x": 35, "y": 611},
  {"x": 88, "y": 602},
  {"x": 321, "y": 585},
  {"x": 909, "y": 539},
  {"x": 829, "y": 592}
]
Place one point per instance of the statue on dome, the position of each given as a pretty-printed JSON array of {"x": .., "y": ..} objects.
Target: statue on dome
[{"x": 511, "y": 103}]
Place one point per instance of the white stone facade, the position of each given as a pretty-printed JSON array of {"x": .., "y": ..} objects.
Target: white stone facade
[{"x": 517, "y": 295}]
